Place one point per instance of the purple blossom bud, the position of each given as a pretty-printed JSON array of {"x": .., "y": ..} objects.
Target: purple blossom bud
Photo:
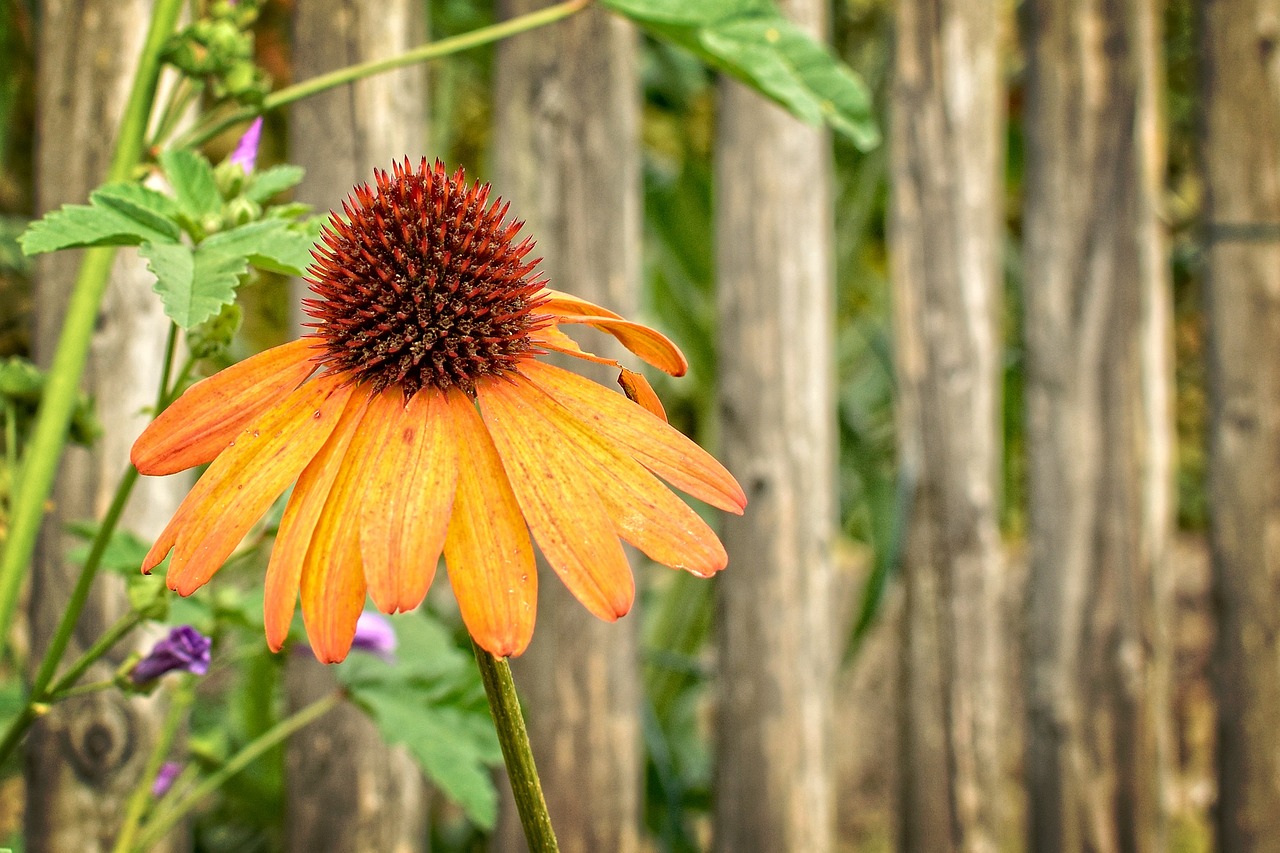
[
  {"x": 185, "y": 650},
  {"x": 246, "y": 153},
  {"x": 374, "y": 634},
  {"x": 164, "y": 779}
]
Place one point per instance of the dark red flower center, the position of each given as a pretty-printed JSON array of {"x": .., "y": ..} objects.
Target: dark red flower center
[{"x": 422, "y": 285}]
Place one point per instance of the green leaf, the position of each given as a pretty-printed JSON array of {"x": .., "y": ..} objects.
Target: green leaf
[
  {"x": 785, "y": 63},
  {"x": 193, "y": 285},
  {"x": 430, "y": 699},
  {"x": 263, "y": 185},
  {"x": 273, "y": 245},
  {"x": 752, "y": 41},
  {"x": 124, "y": 553},
  {"x": 121, "y": 214},
  {"x": 686, "y": 13},
  {"x": 191, "y": 177}
]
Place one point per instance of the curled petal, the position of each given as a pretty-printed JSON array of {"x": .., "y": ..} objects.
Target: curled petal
[
  {"x": 200, "y": 424},
  {"x": 638, "y": 390},
  {"x": 487, "y": 549},
  {"x": 563, "y": 511},
  {"x": 652, "y": 442},
  {"x": 243, "y": 481},
  {"x": 652, "y": 346}
]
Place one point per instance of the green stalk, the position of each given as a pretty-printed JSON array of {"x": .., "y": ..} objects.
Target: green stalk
[
  {"x": 516, "y": 752},
  {"x": 40, "y": 690},
  {"x": 422, "y": 53},
  {"x": 104, "y": 644},
  {"x": 161, "y": 823},
  {"x": 142, "y": 796},
  {"x": 49, "y": 435}
]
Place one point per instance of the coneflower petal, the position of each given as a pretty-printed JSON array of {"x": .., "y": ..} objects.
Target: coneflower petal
[
  {"x": 653, "y": 443},
  {"x": 412, "y": 476},
  {"x": 563, "y": 511},
  {"x": 487, "y": 549},
  {"x": 643, "y": 510},
  {"x": 649, "y": 344},
  {"x": 333, "y": 585},
  {"x": 200, "y": 424},
  {"x": 244, "y": 480},
  {"x": 638, "y": 390},
  {"x": 284, "y": 571}
]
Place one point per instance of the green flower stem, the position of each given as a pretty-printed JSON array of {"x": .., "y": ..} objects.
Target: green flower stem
[
  {"x": 104, "y": 644},
  {"x": 41, "y": 692},
  {"x": 80, "y": 592},
  {"x": 57, "y": 404},
  {"x": 142, "y": 796},
  {"x": 162, "y": 822},
  {"x": 505, "y": 707},
  {"x": 422, "y": 53}
]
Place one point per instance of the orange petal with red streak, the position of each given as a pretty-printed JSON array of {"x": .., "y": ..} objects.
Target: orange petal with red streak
[
  {"x": 244, "y": 480},
  {"x": 645, "y": 512},
  {"x": 562, "y": 510},
  {"x": 653, "y": 443},
  {"x": 487, "y": 548},
  {"x": 201, "y": 423},
  {"x": 412, "y": 471},
  {"x": 333, "y": 586},
  {"x": 649, "y": 344},
  {"x": 284, "y": 571}
]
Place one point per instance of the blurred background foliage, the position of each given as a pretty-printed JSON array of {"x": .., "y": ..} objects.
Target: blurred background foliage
[{"x": 678, "y": 132}]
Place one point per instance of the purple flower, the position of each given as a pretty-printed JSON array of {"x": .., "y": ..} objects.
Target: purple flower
[
  {"x": 374, "y": 634},
  {"x": 164, "y": 779},
  {"x": 185, "y": 649},
  {"x": 246, "y": 153}
]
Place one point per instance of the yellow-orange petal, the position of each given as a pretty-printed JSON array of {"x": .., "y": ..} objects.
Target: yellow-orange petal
[
  {"x": 487, "y": 549},
  {"x": 411, "y": 477},
  {"x": 284, "y": 571},
  {"x": 643, "y": 510},
  {"x": 653, "y": 443},
  {"x": 638, "y": 390},
  {"x": 243, "y": 481},
  {"x": 333, "y": 586},
  {"x": 563, "y": 511},
  {"x": 649, "y": 344},
  {"x": 200, "y": 424}
]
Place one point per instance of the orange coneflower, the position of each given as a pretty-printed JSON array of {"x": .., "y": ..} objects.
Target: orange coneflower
[{"x": 417, "y": 420}]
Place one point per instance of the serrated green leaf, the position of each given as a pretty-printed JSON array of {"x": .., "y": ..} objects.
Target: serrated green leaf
[
  {"x": 269, "y": 244},
  {"x": 194, "y": 285},
  {"x": 144, "y": 204},
  {"x": 191, "y": 177},
  {"x": 122, "y": 214},
  {"x": 263, "y": 185}
]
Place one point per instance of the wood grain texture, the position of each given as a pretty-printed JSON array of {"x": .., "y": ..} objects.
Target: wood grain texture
[
  {"x": 346, "y": 789},
  {"x": 773, "y": 780},
  {"x": 1240, "y": 152},
  {"x": 946, "y": 148},
  {"x": 1099, "y": 379},
  {"x": 85, "y": 756},
  {"x": 566, "y": 155}
]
